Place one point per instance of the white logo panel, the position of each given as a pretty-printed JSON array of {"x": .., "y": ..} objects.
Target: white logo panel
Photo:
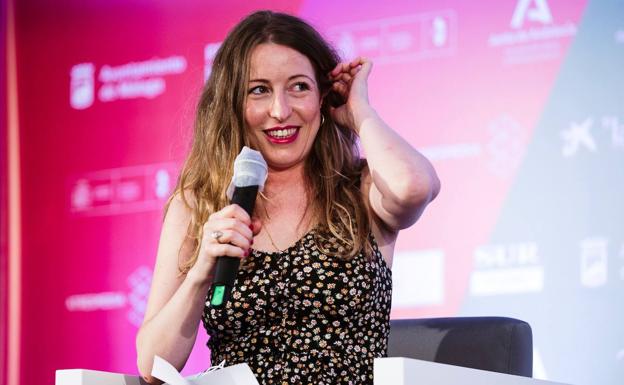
[
  {"x": 616, "y": 128},
  {"x": 398, "y": 39},
  {"x": 594, "y": 252},
  {"x": 507, "y": 269},
  {"x": 144, "y": 79},
  {"x": 139, "y": 282},
  {"x": 592, "y": 135},
  {"x": 533, "y": 36},
  {"x": 418, "y": 278},
  {"x": 122, "y": 190},
  {"x": 505, "y": 147},
  {"x": 95, "y": 301},
  {"x": 82, "y": 86}
]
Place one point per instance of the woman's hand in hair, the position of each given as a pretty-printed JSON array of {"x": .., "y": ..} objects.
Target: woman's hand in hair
[
  {"x": 237, "y": 230},
  {"x": 350, "y": 81}
]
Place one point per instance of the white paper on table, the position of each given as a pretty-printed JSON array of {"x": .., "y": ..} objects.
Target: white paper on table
[
  {"x": 239, "y": 374},
  {"x": 164, "y": 371}
]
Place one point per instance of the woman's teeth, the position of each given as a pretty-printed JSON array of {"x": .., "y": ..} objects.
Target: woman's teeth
[{"x": 282, "y": 134}]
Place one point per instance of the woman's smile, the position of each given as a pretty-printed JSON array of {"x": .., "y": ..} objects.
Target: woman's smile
[{"x": 282, "y": 135}]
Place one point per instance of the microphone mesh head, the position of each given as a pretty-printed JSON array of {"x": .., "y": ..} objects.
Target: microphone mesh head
[{"x": 250, "y": 169}]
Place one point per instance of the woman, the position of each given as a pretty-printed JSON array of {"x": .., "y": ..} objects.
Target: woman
[{"x": 312, "y": 298}]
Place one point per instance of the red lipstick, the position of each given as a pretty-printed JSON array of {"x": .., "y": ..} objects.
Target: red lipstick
[{"x": 282, "y": 135}]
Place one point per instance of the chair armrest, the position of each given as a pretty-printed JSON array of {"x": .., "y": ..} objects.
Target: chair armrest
[{"x": 497, "y": 344}]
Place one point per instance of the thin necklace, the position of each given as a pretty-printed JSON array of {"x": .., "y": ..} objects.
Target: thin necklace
[
  {"x": 266, "y": 228},
  {"x": 271, "y": 239}
]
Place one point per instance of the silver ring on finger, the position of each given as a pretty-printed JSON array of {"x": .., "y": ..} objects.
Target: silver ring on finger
[{"x": 216, "y": 235}]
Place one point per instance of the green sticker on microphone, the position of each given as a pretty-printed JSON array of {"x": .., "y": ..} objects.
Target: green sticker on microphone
[{"x": 217, "y": 295}]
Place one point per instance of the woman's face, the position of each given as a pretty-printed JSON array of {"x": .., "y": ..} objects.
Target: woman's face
[{"x": 282, "y": 106}]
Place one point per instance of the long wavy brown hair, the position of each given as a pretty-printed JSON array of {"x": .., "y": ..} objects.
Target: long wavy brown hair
[{"x": 333, "y": 167}]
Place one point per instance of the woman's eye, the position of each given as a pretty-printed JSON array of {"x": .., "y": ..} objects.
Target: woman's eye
[
  {"x": 301, "y": 86},
  {"x": 258, "y": 90}
]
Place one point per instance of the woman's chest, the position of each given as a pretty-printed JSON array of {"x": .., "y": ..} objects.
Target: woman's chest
[{"x": 301, "y": 284}]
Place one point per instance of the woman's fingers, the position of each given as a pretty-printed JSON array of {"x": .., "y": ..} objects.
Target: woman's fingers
[
  {"x": 226, "y": 250},
  {"x": 232, "y": 211},
  {"x": 351, "y": 67},
  {"x": 232, "y": 237},
  {"x": 230, "y": 227},
  {"x": 345, "y": 77},
  {"x": 345, "y": 74},
  {"x": 233, "y": 226},
  {"x": 256, "y": 225},
  {"x": 365, "y": 68},
  {"x": 227, "y": 232},
  {"x": 340, "y": 67},
  {"x": 342, "y": 71},
  {"x": 342, "y": 89},
  {"x": 358, "y": 61}
]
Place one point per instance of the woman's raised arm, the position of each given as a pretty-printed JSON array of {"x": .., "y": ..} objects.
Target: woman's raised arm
[{"x": 402, "y": 181}]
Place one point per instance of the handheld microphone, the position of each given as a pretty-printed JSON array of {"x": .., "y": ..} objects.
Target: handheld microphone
[{"x": 250, "y": 173}]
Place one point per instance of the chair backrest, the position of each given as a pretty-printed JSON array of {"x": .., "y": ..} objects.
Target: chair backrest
[{"x": 496, "y": 344}]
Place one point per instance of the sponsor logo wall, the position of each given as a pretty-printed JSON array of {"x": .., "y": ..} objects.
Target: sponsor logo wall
[{"x": 517, "y": 103}]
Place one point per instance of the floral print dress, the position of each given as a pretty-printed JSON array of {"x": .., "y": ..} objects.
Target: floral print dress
[{"x": 300, "y": 316}]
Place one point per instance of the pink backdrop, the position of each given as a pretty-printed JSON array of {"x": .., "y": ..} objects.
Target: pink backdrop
[
  {"x": 107, "y": 95},
  {"x": 3, "y": 197}
]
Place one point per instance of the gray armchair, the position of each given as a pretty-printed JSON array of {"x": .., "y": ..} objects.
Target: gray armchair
[{"x": 496, "y": 344}]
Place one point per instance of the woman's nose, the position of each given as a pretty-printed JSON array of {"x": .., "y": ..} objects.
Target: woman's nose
[{"x": 280, "y": 108}]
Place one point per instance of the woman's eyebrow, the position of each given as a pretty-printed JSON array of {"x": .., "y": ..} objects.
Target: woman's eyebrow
[
  {"x": 259, "y": 81},
  {"x": 266, "y": 81},
  {"x": 302, "y": 75}
]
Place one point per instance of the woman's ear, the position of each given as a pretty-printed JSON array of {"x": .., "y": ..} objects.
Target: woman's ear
[
  {"x": 331, "y": 98},
  {"x": 324, "y": 96}
]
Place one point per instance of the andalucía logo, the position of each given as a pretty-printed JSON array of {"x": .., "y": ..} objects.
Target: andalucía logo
[
  {"x": 532, "y": 21},
  {"x": 539, "y": 13}
]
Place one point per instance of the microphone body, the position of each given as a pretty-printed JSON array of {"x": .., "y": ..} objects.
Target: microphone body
[
  {"x": 227, "y": 267},
  {"x": 250, "y": 173}
]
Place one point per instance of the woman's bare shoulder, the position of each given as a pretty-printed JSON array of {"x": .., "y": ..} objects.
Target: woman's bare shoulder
[
  {"x": 183, "y": 200},
  {"x": 179, "y": 209}
]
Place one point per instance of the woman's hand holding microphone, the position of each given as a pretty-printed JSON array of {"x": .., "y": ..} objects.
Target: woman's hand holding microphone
[{"x": 228, "y": 232}]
